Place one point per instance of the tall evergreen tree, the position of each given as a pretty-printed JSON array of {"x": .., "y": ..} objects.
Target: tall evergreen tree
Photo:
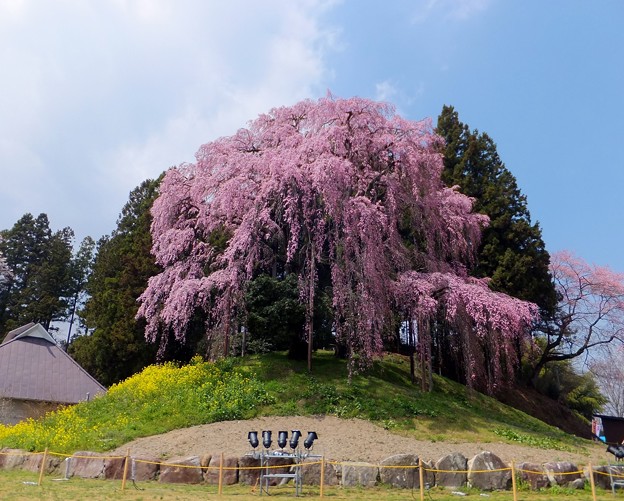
[
  {"x": 40, "y": 261},
  {"x": 116, "y": 348},
  {"x": 512, "y": 252},
  {"x": 81, "y": 266},
  {"x": 6, "y": 274}
]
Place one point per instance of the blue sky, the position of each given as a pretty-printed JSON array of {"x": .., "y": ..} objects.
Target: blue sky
[{"x": 98, "y": 96}]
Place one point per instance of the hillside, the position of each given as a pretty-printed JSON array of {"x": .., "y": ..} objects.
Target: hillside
[
  {"x": 339, "y": 440},
  {"x": 547, "y": 410},
  {"x": 377, "y": 415},
  {"x": 385, "y": 395},
  {"x": 165, "y": 398}
]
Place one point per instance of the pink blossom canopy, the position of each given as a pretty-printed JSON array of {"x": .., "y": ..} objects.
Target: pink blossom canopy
[{"x": 344, "y": 182}]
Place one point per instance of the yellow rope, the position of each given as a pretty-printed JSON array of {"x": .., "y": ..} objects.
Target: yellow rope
[{"x": 310, "y": 463}]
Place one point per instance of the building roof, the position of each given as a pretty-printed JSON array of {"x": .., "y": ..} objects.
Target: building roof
[
  {"x": 613, "y": 428},
  {"x": 34, "y": 367}
]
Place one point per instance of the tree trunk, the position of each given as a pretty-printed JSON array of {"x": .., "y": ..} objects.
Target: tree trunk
[
  {"x": 423, "y": 371},
  {"x": 244, "y": 340},
  {"x": 71, "y": 321},
  {"x": 226, "y": 335},
  {"x": 310, "y": 308},
  {"x": 430, "y": 373},
  {"x": 424, "y": 376},
  {"x": 412, "y": 350}
]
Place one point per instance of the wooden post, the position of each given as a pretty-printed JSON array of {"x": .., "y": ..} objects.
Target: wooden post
[
  {"x": 421, "y": 476},
  {"x": 591, "y": 481},
  {"x": 221, "y": 475},
  {"x": 322, "y": 474},
  {"x": 125, "y": 470},
  {"x": 43, "y": 462},
  {"x": 513, "y": 480}
]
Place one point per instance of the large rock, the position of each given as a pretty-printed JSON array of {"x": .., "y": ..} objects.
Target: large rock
[
  {"x": 11, "y": 459},
  {"x": 311, "y": 472},
  {"x": 618, "y": 475},
  {"x": 181, "y": 471},
  {"x": 533, "y": 474},
  {"x": 359, "y": 474},
  {"x": 279, "y": 466},
  {"x": 114, "y": 468},
  {"x": 138, "y": 469},
  {"x": 204, "y": 461},
  {"x": 33, "y": 463},
  {"x": 486, "y": 471},
  {"x": 230, "y": 470},
  {"x": 86, "y": 464},
  {"x": 562, "y": 473},
  {"x": 248, "y": 470},
  {"x": 144, "y": 469},
  {"x": 451, "y": 471},
  {"x": 401, "y": 471},
  {"x": 601, "y": 476}
]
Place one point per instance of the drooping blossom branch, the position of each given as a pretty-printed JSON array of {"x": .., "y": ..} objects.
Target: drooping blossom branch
[{"x": 343, "y": 183}]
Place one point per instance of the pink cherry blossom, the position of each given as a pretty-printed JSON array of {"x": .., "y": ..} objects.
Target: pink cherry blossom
[{"x": 345, "y": 183}]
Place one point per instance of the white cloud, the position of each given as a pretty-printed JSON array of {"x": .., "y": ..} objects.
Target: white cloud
[
  {"x": 465, "y": 9},
  {"x": 385, "y": 91},
  {"x": 228, "y": 86},
  {"x": 12, "y": 8},
  {"x": 458, "y": 10},
  {"x": 390, "y": 92},
  {"x": 106, "y": 94}
]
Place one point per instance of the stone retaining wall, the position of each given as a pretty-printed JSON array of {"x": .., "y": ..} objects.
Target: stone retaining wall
[{"x": 485, "y": 471}]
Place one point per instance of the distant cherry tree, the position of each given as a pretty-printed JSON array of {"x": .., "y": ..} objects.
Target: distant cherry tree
[
  {"x": 589, "y": 314},
  {"x": 609, "y": 373},
  {"x": 339, "y": 183}
]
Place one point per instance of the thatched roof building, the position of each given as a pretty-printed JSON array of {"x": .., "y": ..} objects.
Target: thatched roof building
[{"x": 36, "y": 375}]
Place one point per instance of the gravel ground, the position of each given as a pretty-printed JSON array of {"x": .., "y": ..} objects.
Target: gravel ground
[{"x": 339, "y": 440}]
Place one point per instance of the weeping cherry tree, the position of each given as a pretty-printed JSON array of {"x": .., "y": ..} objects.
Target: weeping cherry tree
[{"x": 341, "y": 183}]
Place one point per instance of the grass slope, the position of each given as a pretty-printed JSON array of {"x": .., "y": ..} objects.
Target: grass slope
[
  {"x": 166, "y": 397},
  {"x": 385, "y": 395},
  {"x": 21, "y": 486}
]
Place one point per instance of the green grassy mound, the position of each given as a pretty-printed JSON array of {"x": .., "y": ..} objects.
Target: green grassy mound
[{"x": 166, "y": 397}]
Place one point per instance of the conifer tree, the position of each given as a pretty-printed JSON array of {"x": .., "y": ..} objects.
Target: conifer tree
[
  {"x": 116, "y": 347},
  {"x": 81, "y": 266},
  {"x": 40, "y": 263},
  {"x": 6, "y": 277},
  {"x": 512, "y": 252}
]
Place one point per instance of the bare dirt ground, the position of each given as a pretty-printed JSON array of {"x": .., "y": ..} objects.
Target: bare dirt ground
[{"x": 339, "y": 440}]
